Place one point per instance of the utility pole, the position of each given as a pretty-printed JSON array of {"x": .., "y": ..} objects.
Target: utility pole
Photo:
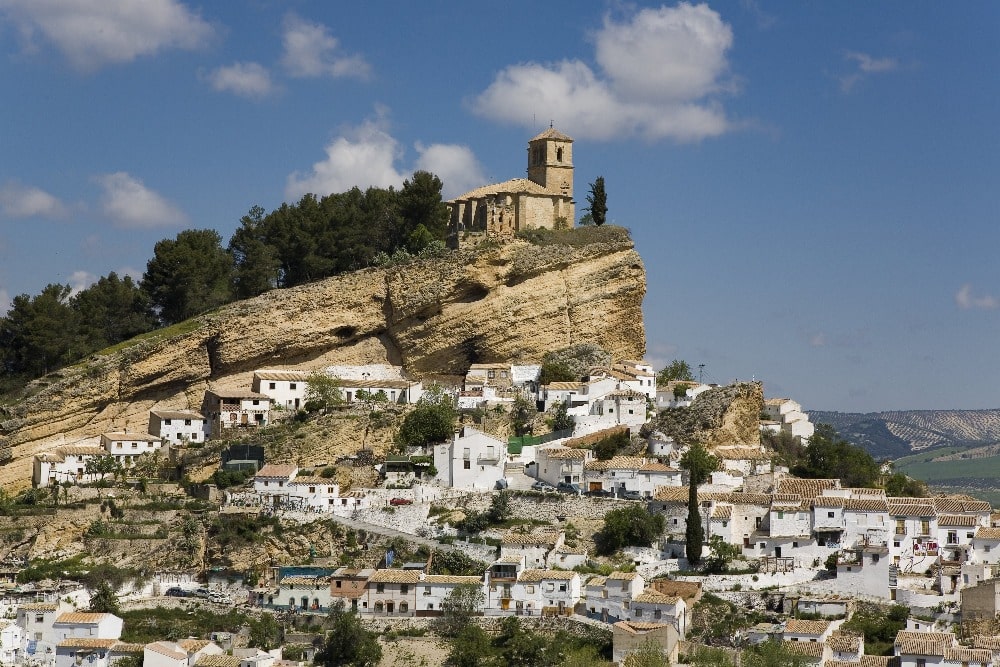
[{"x": 701, "y": 373}]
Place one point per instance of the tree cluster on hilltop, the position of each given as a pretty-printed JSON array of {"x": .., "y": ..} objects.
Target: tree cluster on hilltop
[{"x": 194, "y": 272}]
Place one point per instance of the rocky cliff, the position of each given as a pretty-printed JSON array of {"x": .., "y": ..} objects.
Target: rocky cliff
[
  {"x": 720, "y": 416},
  {"x": 511, "y": 302}
]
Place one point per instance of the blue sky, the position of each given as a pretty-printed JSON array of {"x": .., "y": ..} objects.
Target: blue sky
[{"x": 813, "y": 186}]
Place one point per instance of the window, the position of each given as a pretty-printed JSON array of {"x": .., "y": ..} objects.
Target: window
[
  {"x": 895, "y": 544},
  {"x": 562, "y": 588},
  {"x": 900, "y": 526},
  {"x": 380, "y": 588},
  {"x": 338, "y": 583},
  {"x": 39, "y": 618},
  {"x": 467, "y": 464},
  {"x": 256, "y": 402},
  {"x": 404, "y": 588},
  {"x": 638, "y": 613},
  {"x": 403, "y": 607},
  {"x": 530, "y": 590},
  {"x": 292, "y": 385},
  {"x": 795, "y": 545},
  {"x": 270, "y": 385},
  {"x": 829, "y": 515},
  {"x": 427, "y": 591},
  {"x": 135, "y": 445},
  {"x": 925, "y": 527},
  {"x": 378, "y": 607},
  {"x": 166, "y": 422},
  {"x": 430, "y": 605},
  {"x": 952, "y": 537},
  {"x": 187, "y": 422},
  {"x": 549, "y": 587}
]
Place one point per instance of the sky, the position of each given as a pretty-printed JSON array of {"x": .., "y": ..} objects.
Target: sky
[{"x": 813, "y": 186}]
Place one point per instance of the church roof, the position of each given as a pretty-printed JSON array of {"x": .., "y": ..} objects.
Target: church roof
[
  {"x": 514, "y": 185},
  {"x": 551, "y": 133}
]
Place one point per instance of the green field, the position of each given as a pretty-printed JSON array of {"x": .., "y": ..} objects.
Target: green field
[{"x": 975, "y": 477}]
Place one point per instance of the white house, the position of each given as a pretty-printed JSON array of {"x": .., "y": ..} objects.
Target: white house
[
  {"x": 76, "y": 651},
  {"x": 86, "y": 624},
  {"x": 629, "y": 473},
  {"x": 544, "y": 592},
  {"x": 272, "y": 481},
  {"x": 653, "y": 606},
  {"x": 610, "y": 598},
  {"x": 561, "y": 464},
  {"x": 472, "y": 460},
  {"x": 285, "y": 388},
  {"x": 434, "y": 589},
  {"x": 391, "y": 593},
  {"x": 679, "y": 394},
  {"x": 789, "y": 414},
  {"x": 11, "y": 636},
  {"x": 620, "y": 407},
  {"x": 537, "y": 548},
  {"x": 164, "y": 654},
  {"x": 636, "y": 376},
  {"x": 128, "y": 447},
  {"x": 305, "y": 593},
  {"x": 177, "y": 425},
  {"x": 65, "y": 464},
  {"x": 227, "y": 409},
  {"x": 279, "y": 485}
]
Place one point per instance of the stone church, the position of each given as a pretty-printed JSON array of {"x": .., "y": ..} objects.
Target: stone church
[{"x": 543, "y": 199}]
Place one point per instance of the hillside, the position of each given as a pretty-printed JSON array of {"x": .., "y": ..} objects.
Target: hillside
[
  {"x": 509, "y": 302},
  {"x": 898, "y": 433}
]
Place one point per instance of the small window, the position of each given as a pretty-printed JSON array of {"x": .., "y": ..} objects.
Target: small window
[
  {"x": 530, "y": 589},
  {"x": 338, "y": 583},
  {"x": 427, "y": 591},
  {"x": 430, "y": 605},
  {"x": 829, "y": 515},
  {"x": 403, "y": 607},
  {"x": 404, "y": 588},
  {"x": 270, "y": 385},
  {"x": 380, "y": 588},
  {"x": 39, "y": 618},
  {"x": 292, "y": 385},
  {"x": 467, "y": 464}
]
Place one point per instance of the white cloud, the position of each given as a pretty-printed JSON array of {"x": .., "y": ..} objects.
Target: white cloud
[
  {"x": 364, "y": 156},
  {"x": 455, "y": 165},
  {"x": 81, "y": 280},
  {"x": 251, "y": 80},
  {"x": 131, "y": 204},
  {"x": 23, "y": 201},
  {"x": 866, "y": 65},
  {"x": 367, "y": 155},
  {"x": 967, "y": 301},
  {"x": 94, "y": 33},
  {"x": 661, "y": 72},
  {"x": 311, "y": 51}
]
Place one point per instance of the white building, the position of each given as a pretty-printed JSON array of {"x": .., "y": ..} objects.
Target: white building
[
  {"x": 629, "y": 473},
  {"x": 561, "y": 464},
  {"x": 177, "y": 425},
  {"x": 679, "y": 394},
  {"x": 394, "y": 391},
  {"x": 789, "y": 414},
  {"x": 653, "y": 606},
  {"x": 433, "y": 589},
  {"x": 11, "y": 637},
  {"x": 636, "y": 376},
  {"x": 280, "y": 485},
  {"x": 543, "y": 592},
  {"x": 128, "y": 447},
  {"x": 285, "y": 388},
  {"x": 472, "y": 460},
  {"x": 610, "y": 598},
  {"x": 65, "y": 464}
]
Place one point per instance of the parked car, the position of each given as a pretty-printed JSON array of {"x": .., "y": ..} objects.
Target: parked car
[
  {"x": 542, "y": 486},
  {"x": 566, "y": 487},
  {"x": 177, "y": 592},
  {"x": 202, "y": 593},
  {"x": 598, "y": 493},
  {"x": 400, "y": 501},
  {"x": 630, "y": 495},
  {"x": 220, "y": 598}
]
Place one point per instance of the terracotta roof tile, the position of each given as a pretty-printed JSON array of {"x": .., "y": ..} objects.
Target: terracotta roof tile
[
  {"x": 530, "y": 576},
  {"x": 86, "y": 642},
  {"x": 81, "y": 618},
  {"x": 801, "y": 627}
]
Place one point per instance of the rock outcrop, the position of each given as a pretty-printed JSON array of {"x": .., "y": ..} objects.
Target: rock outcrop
[
  {"x": 512, "y": 302},
  {"x": 727, "y": 415}
]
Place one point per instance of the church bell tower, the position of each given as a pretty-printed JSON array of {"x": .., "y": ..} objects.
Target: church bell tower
[{"x": 550, "y": 162}]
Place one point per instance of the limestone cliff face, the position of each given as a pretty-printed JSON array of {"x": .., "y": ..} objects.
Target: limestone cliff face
[
  {"x": 513, "y": 302},
  {"x": 721, "y": 416}
]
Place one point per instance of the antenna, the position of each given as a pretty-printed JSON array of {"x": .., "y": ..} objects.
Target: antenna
[
  {"x": 701, "y": 373},
  {"x": 551, "y": 123}
]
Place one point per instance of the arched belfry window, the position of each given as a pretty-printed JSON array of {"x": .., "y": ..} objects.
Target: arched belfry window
[{"x": 559, "y": 154}]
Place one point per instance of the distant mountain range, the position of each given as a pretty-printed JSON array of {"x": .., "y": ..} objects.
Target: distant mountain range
[{"x": 899, "y": 433}]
